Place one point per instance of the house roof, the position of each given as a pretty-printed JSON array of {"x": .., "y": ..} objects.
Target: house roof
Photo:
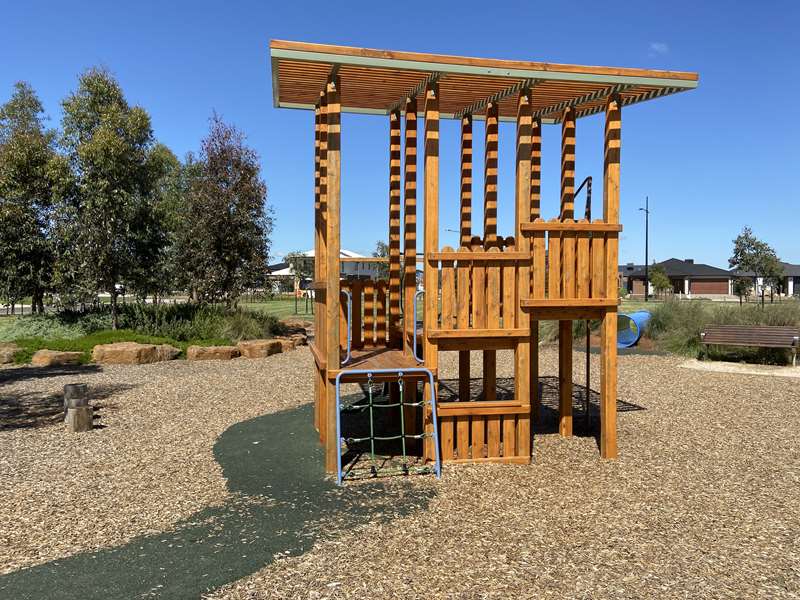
[
  {"x": 379, "y": 81},
  {"x": 283, "y": 268},
  {"x": 630, "y": 268},
  {"x": 789, "y": 270},
  {"x": 675, "y": 267}
]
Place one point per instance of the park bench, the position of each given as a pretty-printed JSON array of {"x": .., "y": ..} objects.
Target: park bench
[{"x": 754, "y": 336}]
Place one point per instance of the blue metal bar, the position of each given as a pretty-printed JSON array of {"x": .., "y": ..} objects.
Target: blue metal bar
[
  {"x": 400, "y": 373},
  {"x": 418, "y": 293},
  {"x": 349, "y": 325}
]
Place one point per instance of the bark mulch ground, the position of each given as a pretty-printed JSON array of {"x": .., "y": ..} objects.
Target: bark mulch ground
[{"x": 703, "y": 502}]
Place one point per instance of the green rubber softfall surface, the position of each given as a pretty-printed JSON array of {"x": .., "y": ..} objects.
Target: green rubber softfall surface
[{"x": 280, "y": 504}]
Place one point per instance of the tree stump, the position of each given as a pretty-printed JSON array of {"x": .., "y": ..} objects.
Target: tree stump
[{"x": 79, "y": 414}]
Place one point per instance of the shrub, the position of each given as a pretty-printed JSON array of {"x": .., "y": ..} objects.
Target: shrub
[
  {"x": 676, "y": 326},
  {"x": 178, "y": 322}
]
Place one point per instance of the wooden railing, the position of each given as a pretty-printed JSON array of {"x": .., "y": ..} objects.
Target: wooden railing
[
  {"x": 369, "y": 313},
  {"x": 495, "y": 431},
  {"x": 569, "y": 264},
  {"x": 479, "y": 291}
]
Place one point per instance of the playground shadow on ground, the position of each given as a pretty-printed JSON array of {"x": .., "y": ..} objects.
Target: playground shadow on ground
[
  {"x": 280, "y": 504},
  {"x": 585, "y": 424}
]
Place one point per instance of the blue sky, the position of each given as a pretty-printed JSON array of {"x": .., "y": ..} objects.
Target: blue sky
[{"x": 711, "y": 160}]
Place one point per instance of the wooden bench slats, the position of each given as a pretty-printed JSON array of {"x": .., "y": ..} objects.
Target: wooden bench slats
[{"x": 757, "y": 336}]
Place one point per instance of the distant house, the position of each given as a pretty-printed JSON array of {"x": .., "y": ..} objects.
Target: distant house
[
  {"x": 789, "y": 285},
  {"x": 624, "y": 273},
  {"x": 283, "y": 276},
  {"x": 687, "y": 277}
]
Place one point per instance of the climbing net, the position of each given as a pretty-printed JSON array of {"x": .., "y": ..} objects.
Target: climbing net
[{"x": 382, "y": 464}]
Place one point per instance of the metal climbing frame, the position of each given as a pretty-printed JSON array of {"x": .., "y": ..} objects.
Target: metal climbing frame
[{"x": 401, "y": 404}]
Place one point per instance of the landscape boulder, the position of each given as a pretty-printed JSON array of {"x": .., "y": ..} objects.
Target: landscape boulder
[
  {"x": 52, "y": 358},
  {"x": 132, "y": 353},
  {"x": 286, "y": 343},
  {"x": 212, "y": 352},
  {"x": 259, "y": 348},
  {"x": 299, "y": 339},
  {"x": 7, "y": 352},
  {"x": 294, "y": 324},
  {"x": 167, "y": 352}
]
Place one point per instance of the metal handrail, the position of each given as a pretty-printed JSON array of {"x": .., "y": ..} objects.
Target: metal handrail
[
  {"x": 588, "y": 183},
  {"x": 400, "y": 373},
  {"x": 416, "y": 357},
  {"x": 349, "y": 355}
]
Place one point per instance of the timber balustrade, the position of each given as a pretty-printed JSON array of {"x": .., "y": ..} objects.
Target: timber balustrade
[{"x": 569, "y": 266}]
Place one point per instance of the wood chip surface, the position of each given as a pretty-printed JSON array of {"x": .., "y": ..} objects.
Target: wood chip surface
[
  {"x": 147, "y": 464},
  {"x": 704, "y": 501}
]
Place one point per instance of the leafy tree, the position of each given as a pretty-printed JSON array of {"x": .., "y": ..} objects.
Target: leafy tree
[
  {"x": 381, "y": 268},
  {"x": 29, "y": 173},
  {"x": 223, "y": 239},
  {"x": 659, "y": 279},
  {"x": 754, "y": 256},
  {"x": 105, "y": 230},
  {"x": 154, "y": 272},
  {"x": 302, "y": 266},
  {"x": 742, "y": 288}
]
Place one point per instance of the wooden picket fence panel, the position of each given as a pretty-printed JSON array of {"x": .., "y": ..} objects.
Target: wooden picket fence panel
[
  {"x": 370, "y": 313},
  {"x": 484, "y": 431},
  {"x": 479, "y": 287},
  {"x": 569, "y": 258}
]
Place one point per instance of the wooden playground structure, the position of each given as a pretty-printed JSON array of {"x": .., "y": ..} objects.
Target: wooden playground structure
[{"x": 490, "y": 292}]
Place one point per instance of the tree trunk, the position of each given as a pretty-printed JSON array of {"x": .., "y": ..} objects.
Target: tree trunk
[
  {"x": 114, "y": 316},
  {"x": 37, "y": 302}
]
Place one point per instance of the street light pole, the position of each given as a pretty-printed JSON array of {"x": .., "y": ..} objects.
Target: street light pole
[{"x": 646, "y": 210}]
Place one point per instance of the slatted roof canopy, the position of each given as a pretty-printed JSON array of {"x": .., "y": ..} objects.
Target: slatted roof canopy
[{"x": 377, "y": 81}]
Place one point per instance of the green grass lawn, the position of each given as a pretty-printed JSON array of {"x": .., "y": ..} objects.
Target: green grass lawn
[
  {"x": 629, "y": 306},
  {"x": 282, "y": 308}
]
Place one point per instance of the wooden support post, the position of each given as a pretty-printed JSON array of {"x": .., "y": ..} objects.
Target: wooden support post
[
  {"x": 608, "y": 358},
  {"x": 319, "y": 382},
  {"x": 490, "y": 229},
  {"x": 565, "y": 378},
  {"x": 410, "y": 223},
  {"x": 465, "y": 231},
  {"x": 568, "y": 164},
  {"x": 332, "y": 227},
  {"x": 535, "y": 213},
  {"x": 395, "y": 176},
  {"x": 431, "y": 245},
  {"x": 321, "y": 266},
  {"x": 567, "y": 270},
  {"x": 465, "y": 228},
  {"x": 522, "y": 354},
  {"x": 490, "y": 177}
]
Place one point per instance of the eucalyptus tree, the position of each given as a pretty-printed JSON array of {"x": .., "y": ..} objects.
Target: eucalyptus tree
[
  {"x": 30, "y": 175},
  {"x": 105, "y": 227}
]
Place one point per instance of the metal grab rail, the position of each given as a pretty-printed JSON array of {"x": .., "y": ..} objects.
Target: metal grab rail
[
  {"x": 588, "y": 183},
  {"x": 416, "y": 357},
  {"x": 400, "y": 372},
  {"x": 349, "y": 356},
  {"x": 588, "y": 216}
]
